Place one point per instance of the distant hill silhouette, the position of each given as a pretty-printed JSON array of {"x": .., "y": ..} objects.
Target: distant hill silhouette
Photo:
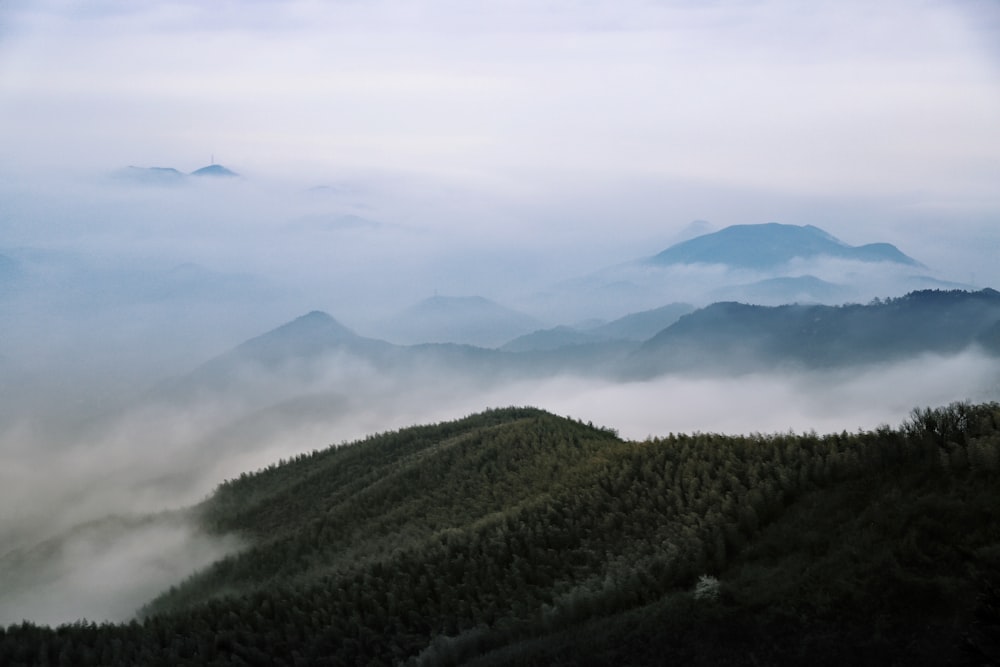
[
  {"x": 551, "y": 339},
  {"x": 726, "y": 337},
  {"x": 635, "y": 327},
  {"x": 787, "y": 289},
  {"x": 645, "y": 324},
  {"x": 739, "y": 337},
  {"x": 771, "y": 245},
  {"x": 169, "y": 175},
  {"x": 472, "y": 320},
  {"x": 291, "y": 351},
  {"x": 311, "y": 334},
  {"x": 215, "y": 170}
]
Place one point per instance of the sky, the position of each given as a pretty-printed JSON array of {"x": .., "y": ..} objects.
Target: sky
[
  {"x": 499, "y": 147},
  {"x": 859, "y": 98},
  {"x": 556, "y": 137}
]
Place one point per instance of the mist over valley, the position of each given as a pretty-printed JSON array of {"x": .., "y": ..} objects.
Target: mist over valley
[
  {"x": 135, "y": 391},
  {"x": 509, "y": 333}
]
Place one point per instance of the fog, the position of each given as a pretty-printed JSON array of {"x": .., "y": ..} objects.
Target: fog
[
  {"x": 164, "y": 454},
  {"x": 388, "y": 152},
  {"x": 104, "y": 571}
]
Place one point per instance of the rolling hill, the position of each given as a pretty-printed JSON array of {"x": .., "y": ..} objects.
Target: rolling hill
[{"x": 517, "y": 537}]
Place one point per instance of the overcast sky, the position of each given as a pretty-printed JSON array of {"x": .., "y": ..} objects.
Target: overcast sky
[
  {"x": 576, "y": 133},
  {"x": 888, "y": 97}
]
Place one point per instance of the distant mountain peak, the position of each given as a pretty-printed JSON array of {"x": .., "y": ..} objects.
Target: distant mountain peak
[
  {"x": 308, "y": 334},
  {"x": 773, "y": 244},
  {"x": 215, "y": 170},
  {"x": 314, "y": 319}
]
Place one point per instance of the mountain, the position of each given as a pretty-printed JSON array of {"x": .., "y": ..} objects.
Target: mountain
[
  {"x": 215, "y": 170},
  {"x": 315, "y": 360},
  {"x": 317, "y": 353},
  {"x": 772, "y": 245},
  {"x": 514, "y": 536},
  {"x": 169, "y": 175},
  {"x": 634, "y": 327},
  {"x": 643, "y": 325},
  {"x": 471, "y": 320},
  {"x": 309, "y": 335},
  {"x": 293, "y": 352},
  {"x": 787, "y": 289},
  {"x": 735, "y": 337},
  {"x": 551, "y": 339},
  {"x": 768, "y": 264}
]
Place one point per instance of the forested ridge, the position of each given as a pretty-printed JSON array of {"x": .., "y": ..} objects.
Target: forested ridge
[
  {"x": 739, "y": 337},
  {"x": 517, "y": 537}
]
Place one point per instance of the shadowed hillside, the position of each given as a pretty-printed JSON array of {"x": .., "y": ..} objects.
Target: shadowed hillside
[
  {"x": 735, "y": 337},
  {"x": 518, "y": 537}
]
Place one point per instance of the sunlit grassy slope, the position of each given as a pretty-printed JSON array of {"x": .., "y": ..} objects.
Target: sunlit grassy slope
[{"x": 518, "y": 537}]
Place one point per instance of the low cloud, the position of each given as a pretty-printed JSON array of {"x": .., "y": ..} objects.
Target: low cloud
[
  {"x": 105, "y": 570},
  {"x": 168, "y": 452}
]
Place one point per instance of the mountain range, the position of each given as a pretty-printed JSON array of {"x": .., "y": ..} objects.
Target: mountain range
[
  {"x": 634, "y": 327},
  {"x": 725, "y": 337},
  {"x": 765, "y": 264},
  {"x": 471, "y": 320},
  {"x": 732, "y": 337}
]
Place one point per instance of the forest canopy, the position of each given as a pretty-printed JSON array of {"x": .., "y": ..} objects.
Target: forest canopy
[{"x": 514, "y": 536}]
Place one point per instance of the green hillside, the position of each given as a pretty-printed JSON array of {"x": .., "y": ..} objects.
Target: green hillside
[{"x": 518, "y": 537}]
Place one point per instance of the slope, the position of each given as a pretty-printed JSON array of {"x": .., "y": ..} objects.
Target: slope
[
  {"x": 735, "y": 337},
  {"x": 524, "y": 538},
  {"x": 335, "y": 509},
  {"x": 643, "y": 325},
  {"x": 635, "y": 327},
  {"x": 295, "y": 350}
]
